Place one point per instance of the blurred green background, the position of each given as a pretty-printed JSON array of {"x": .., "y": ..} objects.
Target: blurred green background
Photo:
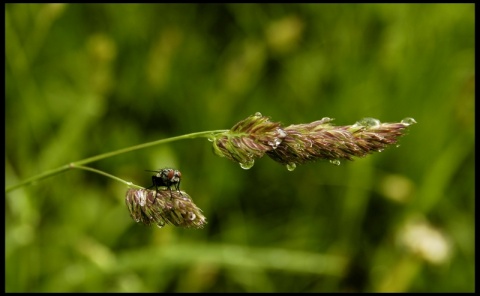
[{"x": 82, "y": 80}]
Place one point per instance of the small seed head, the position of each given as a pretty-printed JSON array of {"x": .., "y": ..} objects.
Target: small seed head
[{"x": 175, "y": 207}]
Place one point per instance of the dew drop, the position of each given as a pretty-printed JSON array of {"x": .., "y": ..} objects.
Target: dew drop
[
  {"x": 335, "y": 161},
  {"x": 160, "y": 225},
  {"x": 369, "y": 122},
  {"x": 291, "y": 166},
  {"x": 274, "y": 144},
  {"x": 137, "y": 220},
  {"x": 397, "y": 145},
  {"x": 326, "y": 119},
  {"x": 408, "y": 121},
  {"x": 211, "y": 138},
  {"x": 192, "y": 216},
  {"x": 258, "y": 114},
  {"x": 247, "y": 165}
]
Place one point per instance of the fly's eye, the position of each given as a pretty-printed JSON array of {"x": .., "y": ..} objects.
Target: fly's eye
[{"x": 170, "y": 174}]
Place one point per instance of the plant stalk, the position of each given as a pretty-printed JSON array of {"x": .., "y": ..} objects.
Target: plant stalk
[{"x": 79, "y": 164}]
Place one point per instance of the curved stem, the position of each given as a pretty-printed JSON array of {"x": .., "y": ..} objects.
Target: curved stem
[
  {"x": 145, "y": 145},
  {"x": 78, "y": 164},
  {"x": 130, "y": 184}
]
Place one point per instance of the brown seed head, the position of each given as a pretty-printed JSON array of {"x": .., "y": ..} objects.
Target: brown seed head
[
  {"x": 322, "y": 140},
  {"x": 249, "y": 139},
  {"x": 175, "y": 207}
]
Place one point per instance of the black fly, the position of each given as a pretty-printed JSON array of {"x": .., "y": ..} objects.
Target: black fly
[{"x": 166, "y": 177}]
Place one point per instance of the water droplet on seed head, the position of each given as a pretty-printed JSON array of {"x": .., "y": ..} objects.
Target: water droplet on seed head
[
  {"x": 291, "y": 166},
  {"x": 335, "y": 161},
  {"x": 247, "y": 165},
  {"x": 408, "y": 121},
  {"x": 369, "y": 122}
]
